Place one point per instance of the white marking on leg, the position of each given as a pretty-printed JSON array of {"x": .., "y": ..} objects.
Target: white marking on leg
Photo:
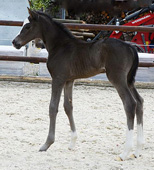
[
  {"x": 73, "y": 140},
  {"x": 128, "y": 145},
  {"x": 140, "y": 140}
]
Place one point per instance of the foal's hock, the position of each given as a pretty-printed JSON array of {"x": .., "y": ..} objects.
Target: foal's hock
[{"x": 70, "y": 58}]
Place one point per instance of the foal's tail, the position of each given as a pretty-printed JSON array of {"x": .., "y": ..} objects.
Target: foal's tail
[{"x": 132, "y": 72}]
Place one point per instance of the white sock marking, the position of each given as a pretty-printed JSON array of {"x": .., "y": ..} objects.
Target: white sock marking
[
  {"x": 128, "y": 144},
  {"x": 73, "y": 140},
  {"x": 140, "y": 140}
]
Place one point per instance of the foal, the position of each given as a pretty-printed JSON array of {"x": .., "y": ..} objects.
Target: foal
[{"x": 70, "y": 59}]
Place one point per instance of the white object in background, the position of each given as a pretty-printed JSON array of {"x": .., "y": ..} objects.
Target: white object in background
[{"x": 32, "y": 50}]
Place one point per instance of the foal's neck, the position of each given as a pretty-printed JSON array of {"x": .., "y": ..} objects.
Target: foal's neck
[{"x": 54, "y": 35}]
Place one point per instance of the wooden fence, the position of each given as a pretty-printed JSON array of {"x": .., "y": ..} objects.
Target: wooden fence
[{"x": 77, "y": 27}]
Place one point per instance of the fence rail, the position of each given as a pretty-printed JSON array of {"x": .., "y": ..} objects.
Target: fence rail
[
  {"x": 11, "y": 23},
  {"x": 38, "y": 60},
  {"x": 90, "y": 26},
  {"x": 35, "y": 60}
]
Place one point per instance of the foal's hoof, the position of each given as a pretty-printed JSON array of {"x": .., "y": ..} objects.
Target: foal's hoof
[
  {"x": 44, "y": 147},
  {"x": 118, "y": 158},
  {"x": 133, "y": 156},
  {"x": 71, "y": 147}
]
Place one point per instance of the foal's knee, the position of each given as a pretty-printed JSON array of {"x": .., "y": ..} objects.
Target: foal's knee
[{"x": 52, "y": 110}]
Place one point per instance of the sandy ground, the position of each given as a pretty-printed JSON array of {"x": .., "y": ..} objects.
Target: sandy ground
[{"x": 100, "y": 122}]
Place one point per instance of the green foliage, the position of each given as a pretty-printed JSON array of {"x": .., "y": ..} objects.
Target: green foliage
[
  {"x": 38, "y": 4},
  {"x": 48, "y": 6}
]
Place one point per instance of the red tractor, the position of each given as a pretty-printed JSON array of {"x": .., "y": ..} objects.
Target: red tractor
[{"x": 143, "y": 41}]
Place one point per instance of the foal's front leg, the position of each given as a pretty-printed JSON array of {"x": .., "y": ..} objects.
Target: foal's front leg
[
  {"x": 68, "y": 106},
  {"x": 53, "y": 110}
]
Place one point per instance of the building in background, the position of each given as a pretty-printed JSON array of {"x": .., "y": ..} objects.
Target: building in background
[{"x": 15, "y": 10}]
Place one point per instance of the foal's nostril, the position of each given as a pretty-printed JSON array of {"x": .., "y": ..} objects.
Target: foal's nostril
[{"x": 16, "y": 44}]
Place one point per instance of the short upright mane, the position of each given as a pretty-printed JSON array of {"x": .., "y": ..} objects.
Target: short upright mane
[{"x": 58, "y": 24}]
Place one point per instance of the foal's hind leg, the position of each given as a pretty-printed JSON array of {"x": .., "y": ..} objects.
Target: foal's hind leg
[
  {"x": 130, "y": 108},
  {"x": 120, "y": 83},
  {"x": 69, "y": 109},
  {"x": 139, "y": 114},
  {"x": 57, "y": 86}
]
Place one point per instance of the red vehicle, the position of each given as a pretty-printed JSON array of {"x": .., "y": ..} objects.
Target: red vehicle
[{"x": 144, "y": 41}]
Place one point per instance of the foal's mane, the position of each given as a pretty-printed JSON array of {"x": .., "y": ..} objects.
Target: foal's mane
[{"x": 58, "y": 24}]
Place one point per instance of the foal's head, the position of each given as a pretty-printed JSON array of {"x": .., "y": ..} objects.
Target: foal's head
[{"x": 30, "y": 30}]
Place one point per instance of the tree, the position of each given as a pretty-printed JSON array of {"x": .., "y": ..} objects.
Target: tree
[
  {"x": 49, "y": 6},
  {"x": 38, "y": 4}
]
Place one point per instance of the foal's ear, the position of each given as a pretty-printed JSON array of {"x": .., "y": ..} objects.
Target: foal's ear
[
  {"x": 33, "y": 14},
  {"x": 30, "y": 3}
]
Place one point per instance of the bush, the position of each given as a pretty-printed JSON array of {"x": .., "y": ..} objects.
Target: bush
[{"x": 38, "y": 4}]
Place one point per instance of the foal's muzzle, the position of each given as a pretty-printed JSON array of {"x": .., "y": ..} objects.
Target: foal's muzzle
[{"x": 16, "y": 44}]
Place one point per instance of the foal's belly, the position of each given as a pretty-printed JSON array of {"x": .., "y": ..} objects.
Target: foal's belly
[{"x": 90, "y": 73}]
